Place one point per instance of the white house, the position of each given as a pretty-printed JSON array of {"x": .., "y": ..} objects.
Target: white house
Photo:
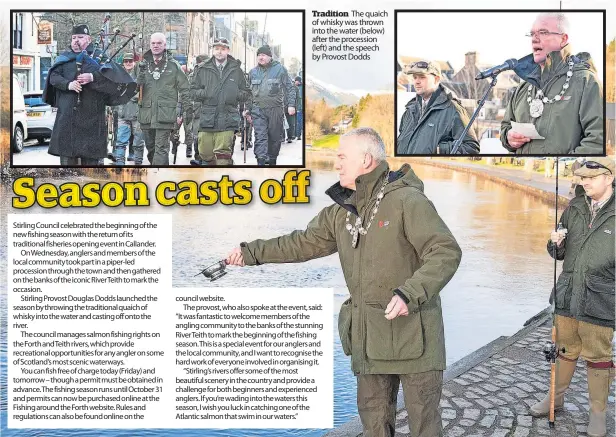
[{"x": 31, "y": 61}]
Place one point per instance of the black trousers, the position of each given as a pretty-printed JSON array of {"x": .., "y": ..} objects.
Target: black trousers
[{"x": 268, "y": 132}]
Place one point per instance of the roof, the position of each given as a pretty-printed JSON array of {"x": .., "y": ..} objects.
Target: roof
[{"x": 610, "y": 110}]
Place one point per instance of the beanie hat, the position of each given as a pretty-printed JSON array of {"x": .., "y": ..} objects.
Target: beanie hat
[{"x": 265, "y": 50}]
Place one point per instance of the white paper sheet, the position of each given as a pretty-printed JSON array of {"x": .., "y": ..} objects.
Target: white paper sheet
[{"x": 527, "y": 129}]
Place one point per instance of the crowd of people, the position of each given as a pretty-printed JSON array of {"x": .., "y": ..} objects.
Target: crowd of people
[{"x": 152, "y": 99}]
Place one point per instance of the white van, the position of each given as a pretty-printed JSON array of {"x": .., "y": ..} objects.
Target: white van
[{"x": 20, "y": 119}]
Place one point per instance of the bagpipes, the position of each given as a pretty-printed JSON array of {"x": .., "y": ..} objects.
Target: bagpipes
[
  {"x": 79, "y": 62},
  {"x": 119, "y": 87}
]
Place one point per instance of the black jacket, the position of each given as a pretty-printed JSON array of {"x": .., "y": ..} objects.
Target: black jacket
[
  {"x": 81, "y": 130},
  {"x": 439, "y": 126},
  {"x": 219, "y": 94}
]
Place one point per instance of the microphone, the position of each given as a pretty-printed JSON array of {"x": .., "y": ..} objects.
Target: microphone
[{"x": 509, "y": 64}]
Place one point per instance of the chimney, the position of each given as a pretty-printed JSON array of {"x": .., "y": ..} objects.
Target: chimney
[{"x": 470, "y": 59}]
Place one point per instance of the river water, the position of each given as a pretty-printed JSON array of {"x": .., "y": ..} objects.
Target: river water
[{"x": 504, "y": 279}]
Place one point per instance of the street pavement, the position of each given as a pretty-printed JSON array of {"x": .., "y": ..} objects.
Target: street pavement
[
  {"x": 493, "y": 397},
  {"x": 488, "y": 393},
  {"x": 291, "y": 154}
]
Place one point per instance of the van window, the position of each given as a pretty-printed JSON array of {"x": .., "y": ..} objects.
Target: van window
[
  {"x": 34, "y": 100},
  {"x": 18, "y": 98}
]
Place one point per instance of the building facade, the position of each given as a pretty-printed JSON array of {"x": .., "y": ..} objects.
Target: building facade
[{"x": 30, "y": 60}]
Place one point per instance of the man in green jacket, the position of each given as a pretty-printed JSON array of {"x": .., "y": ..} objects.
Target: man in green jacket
[
  {"x": 271, "y": 84},
  {"x": 433, "y": 119},
  {"x": 128, "y": 126},
  {"x": 163, "y": 85},
  {"x": 560, "y": 95},
  {"x": 220, "y": 86},
  {"x": 584, "y": 293},
  {"x": 397, "y": 254}
]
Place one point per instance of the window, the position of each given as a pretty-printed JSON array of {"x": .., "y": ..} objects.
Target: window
[
  {"x": 172, "y": 40},
  {"x": 23, "y": 77},
  {"x": 18, "y": 31}
]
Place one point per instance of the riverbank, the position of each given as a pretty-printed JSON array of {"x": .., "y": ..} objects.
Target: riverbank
[
  {"x": 533, "y": 183},
  {"x": 488, "y": 393}
]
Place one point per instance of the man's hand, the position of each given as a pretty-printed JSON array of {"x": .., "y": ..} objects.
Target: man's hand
[
  {"x": 397, "y": 307},
  {"x": 74, "y": 86},
  {"x": 516, "y": 140},
  {"x": 179, "y": 120},
  {"x": 557, "y": 238},
  {"x": 235, "y": 258},
  {"x": 85, "y": 78},
  {"x": 247, "y": 116},
  {"x": 291, "y": 110}
]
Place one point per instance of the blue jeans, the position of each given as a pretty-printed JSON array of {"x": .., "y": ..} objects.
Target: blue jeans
[
  {"x": 299, "y": 123},
  {"x": 125, "y": 129}
]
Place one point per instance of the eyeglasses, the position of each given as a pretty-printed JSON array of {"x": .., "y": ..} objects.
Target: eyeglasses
[
  {"x": 542, "y": 34},
  {"x": 593, "y": 165}
]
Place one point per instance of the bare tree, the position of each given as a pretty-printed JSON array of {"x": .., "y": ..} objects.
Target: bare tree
[{"x": 4, "y": 44}]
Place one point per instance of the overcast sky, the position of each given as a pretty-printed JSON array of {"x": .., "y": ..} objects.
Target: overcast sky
[
  {"x": 378, "y": 73},
  {"x": 494, "y": 36},
  {"x": 285, "y": 28}
]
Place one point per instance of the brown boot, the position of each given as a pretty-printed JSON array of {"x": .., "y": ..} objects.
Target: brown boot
[
  {"x": 599, "y": 380},
  {"x": 564, "y": 372}
]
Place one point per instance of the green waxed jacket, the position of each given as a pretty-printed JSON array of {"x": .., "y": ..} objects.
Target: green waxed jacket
[
  {"x": 571, "y": 125},
  {"x": 219, "y": 94},
  {"x": 435, "y": 131},
  {"x": 585, "y": 288},
  {"x": 408, "y": 250},
  {"x": 160, "y": 98}
]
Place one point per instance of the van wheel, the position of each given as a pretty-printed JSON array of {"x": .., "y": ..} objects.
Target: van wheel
[{"x": 18, "y": 139}]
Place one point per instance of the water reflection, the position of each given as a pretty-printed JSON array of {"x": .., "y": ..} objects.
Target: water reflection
[{"x": 504, "y": 278}]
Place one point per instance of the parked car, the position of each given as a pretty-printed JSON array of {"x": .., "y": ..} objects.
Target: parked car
[
  {"x": 20, "y": 119},
  {"x": 490, "y": 143},
  {"x": 41, "y": 116}
]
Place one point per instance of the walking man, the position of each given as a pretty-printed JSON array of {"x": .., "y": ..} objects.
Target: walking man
[
  {"x": 220, "y": 86},
  {"x": 128, "y": 126},
  {"x": 269, "y": 81},
  {"x": 164, "y": 85},
  {"x": 299, "y": 110},
  {"x": 194, "y": 125},
  {"x": 81, "y": 89}
]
